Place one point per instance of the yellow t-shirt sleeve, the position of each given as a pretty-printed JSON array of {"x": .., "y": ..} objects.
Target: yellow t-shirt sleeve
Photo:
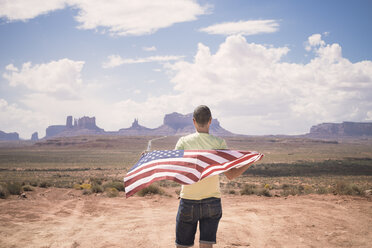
[{"x": 179, "y": 145}]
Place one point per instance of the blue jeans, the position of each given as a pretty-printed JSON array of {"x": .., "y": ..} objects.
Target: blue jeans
[{"x": 207, "y": 212}]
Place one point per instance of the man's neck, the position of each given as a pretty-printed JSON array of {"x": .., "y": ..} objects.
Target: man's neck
[{"x": 202, "y": 130}]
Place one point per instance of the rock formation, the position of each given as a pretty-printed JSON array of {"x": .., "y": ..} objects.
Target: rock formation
[
  {"x": 345, "y": 129},
  {"x": 173, "y": 124},
  {"x": 8, "y": 136},
  {"x": 82, "y": 126},
  {"x": 135, "y": 129},
  {"x": 35, "y": 136}
]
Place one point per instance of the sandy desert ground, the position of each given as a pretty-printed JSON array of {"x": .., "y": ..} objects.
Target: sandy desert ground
[{"x": 55, "y": 217}]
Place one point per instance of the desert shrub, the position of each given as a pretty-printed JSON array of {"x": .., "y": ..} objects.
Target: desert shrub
[
  {"x": 86, "y": 186},
  {"x": 14, "y": 188},
  {"x": 343, "y": 188},
  {"x": 308, "y": 189},
  {"x": 27, "y": 188},
  {"x": 96, "y": 181},
  {"x": 291, "y": 190},
  {"x": 115, "y": 184},
  {"x": 151, "y": 190},
  {"x": 112, "y": 192},
  {"x": 248, "y": 189},
  {"x": 300, "y": 189},
  {"x": 321, "y": 190},
  {"x": 286, "y": 186},
  {"x": 96, "y": 188},
  {"x": 76, "y": 186},
  {"x": 45, "y": 184},
  {"x": 4, "y": 193},
  {"x": 264, "y": 192},
  {"x": 34, "y": 183},
  {"x": 357, "y": 190},
  {"x": 268, "y": 186},
  {"x": 232, "y": 192}
]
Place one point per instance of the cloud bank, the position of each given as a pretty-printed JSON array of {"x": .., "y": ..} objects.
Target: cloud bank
[
  {"x": 251, "y": 27},
  {"x": 62, "y": 77},
  {"x": 117, "y": 17},
  {"x": 248, "y": 87},
  {"x": 253, "y": 91},
  {"x": 116, "y": 60}
]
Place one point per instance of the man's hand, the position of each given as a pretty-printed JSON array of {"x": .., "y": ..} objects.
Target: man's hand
[{"x": 235, "y": 172}]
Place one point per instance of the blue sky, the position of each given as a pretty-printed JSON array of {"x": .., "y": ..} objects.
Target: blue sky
[{"x": 264, "y": 67}]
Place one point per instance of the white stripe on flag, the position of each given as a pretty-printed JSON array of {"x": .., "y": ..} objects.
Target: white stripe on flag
[
  {"x": 214, "y": 157},
  {"x": 165, "y": 166},
  {"x": 187, "y": 160},
  {"x": 145, "y": 180}
]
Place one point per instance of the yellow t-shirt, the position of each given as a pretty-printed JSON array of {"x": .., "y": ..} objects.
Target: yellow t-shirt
[{"x": 208, "y": 187}]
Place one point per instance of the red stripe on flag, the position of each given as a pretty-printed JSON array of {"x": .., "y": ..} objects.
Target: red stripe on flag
[
  {"x": 225, "y": 168},
  {"x": 179, "y": 163},
  {"x": 190, "y": 175}
]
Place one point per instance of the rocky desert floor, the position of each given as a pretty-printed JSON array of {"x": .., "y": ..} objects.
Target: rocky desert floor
[{"x": 54, "y": 217}]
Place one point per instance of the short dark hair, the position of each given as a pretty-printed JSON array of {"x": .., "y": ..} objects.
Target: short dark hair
[{"x": 202, "y": 115}]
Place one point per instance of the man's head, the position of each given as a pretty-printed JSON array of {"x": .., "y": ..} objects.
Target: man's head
[{"x": 202, "y": 115}]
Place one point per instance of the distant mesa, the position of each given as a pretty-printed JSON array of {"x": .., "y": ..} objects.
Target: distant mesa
[
  {"x": 173, "y": 124},
  {"x": 35, "y": 136},
  {"x": 344, "y": 129},
  {"x": 82, "y": 126},
  {"x": 179, "y": 124},
  {"x": 8, "y": 136}
]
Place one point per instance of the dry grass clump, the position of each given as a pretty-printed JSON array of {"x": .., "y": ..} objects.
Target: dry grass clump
[
  {"x": 86, "y": 186},
  {"x": 296, "y": 189},
  {"x": 342, "y": 188},
  {"x": 119, "y": 186},
  {"x": 96, "y": 188},
  {"x": 45, "y": 184},
  {"x": 95, "y": 185},
  {"x": 151, "y": 190},
  {"x": 322, "y": 190},
  {"x": 14, "y": 188},
  {"x": 248, "y": 189},
  {"x": 112, "y": 192},
  {"x": 27, "y": 188},
  {"x": 264, "y": 192},
  {"x": 4, "y": 193},
  {"x": 7, "y": 189}
]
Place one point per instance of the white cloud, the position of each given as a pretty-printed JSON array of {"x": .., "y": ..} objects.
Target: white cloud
[
  {"x": 60, "y": 78},
  {"x": 27, "y": 9},
  {"x": 117, "y": 60},
  {"x": 314, "y": 40},
  {"x": 113, "y": 61},
  {"x": 251, "y": 27},
  {"x": 127, "y": 17},
  {"x": 118, "y": 17},
  {"x": 153, "y": 59},
  {"x": 250, "y": 83},
  {"x": 149, "y": 49}
]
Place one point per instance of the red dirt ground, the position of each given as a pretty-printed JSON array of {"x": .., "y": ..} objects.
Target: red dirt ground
[{"x": 65, "y": 218}]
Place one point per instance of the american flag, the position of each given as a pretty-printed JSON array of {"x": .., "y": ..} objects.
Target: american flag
[{"x": 184, "y": 166}]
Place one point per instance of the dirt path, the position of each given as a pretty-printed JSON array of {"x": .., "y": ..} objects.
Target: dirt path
[{"x": 65, "y": 218}]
